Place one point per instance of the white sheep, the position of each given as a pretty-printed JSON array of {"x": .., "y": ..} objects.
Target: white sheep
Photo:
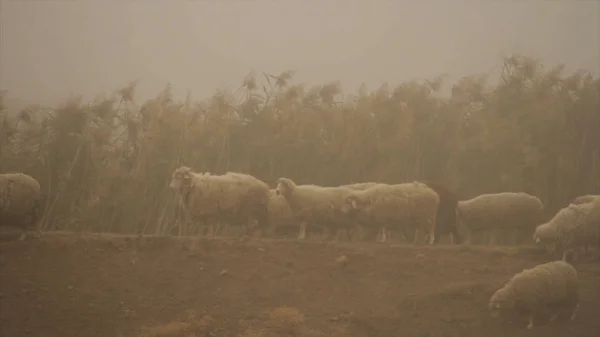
[
  {"x": 573, "y": 227},
  {"x": 549, "y": 285},
  {"x": 584, "y": 199},
  {"x": 280, "y": 214},
  {"x": 20, "y": 202},
  {"x": 235, "y": 198},
  {"x": 366, "y": 230},
  {"x": 500, "y": 213},
  {"x": 315, "y": 205},
  {"x": 404, "y": 205},
  {"x": 360, "y": 186}
]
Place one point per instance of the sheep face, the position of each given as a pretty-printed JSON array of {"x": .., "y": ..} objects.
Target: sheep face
[
  {"x": 351, "y": 203},
  {"x": 501, "y": 300},
  {"x": 284, "y": 187},
  {"x": 181, "y": 177},
  {"x": 541, "y": 235}
]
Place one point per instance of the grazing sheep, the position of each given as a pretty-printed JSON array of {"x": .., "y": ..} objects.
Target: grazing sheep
[
  {"x": 501, "y": 213},
  {"x": 234, "y": 198},
  {"x": 553, "y": 284},
  {"x": 575, "y": 226},
  {"x": 446, "y": 213},
  {"x": 584, "y": 199},
  {"x": 20, "y": 202},
  {"x": 406, "y": 205},
  {"x": 315, "y": 205}
]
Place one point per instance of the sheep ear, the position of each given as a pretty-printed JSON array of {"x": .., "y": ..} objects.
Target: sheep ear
[{"x": 353, "y": 203}]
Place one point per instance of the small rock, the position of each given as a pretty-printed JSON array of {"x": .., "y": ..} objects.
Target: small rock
[
  {"x": 224, "y": 272},
  {"x": 342, "y": 261}
]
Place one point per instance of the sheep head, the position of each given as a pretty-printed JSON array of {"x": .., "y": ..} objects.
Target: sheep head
[
  {"x": 181, "y": 177},
  {"x": 285, "y": 187},
  {"x": 502, "y": 299},
  {"x": 536, "y": 235},
  {"x": 351, "y": 202}
]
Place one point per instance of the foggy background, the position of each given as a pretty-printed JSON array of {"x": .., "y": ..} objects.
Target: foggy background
[{"x": 51, "y": 49}]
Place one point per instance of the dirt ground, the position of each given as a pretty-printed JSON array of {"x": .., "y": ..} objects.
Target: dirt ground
[{"x": 100, "y": 286}]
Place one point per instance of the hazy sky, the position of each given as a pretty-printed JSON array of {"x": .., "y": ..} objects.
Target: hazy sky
[{"x": 50, "y": 49}]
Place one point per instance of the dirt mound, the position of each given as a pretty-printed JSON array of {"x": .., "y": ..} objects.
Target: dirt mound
[{"x": 64, "y": 285}]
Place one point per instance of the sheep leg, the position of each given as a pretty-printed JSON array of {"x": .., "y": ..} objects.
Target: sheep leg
[
  {"x": 530, "y": 324},
  {"x": 383, "y": 235},
  {"x": 431, "y": 238},
  {"x": 216, "y": 229},
  {"x": 417, "y": 236},
  {"x": 574, "y": 314},
  {"x": 302, "y": 234},
  {"x": 431, "y": 235}
]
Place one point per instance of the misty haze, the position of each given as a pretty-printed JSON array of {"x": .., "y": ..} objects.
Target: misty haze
[
  {"x": 51, "y": 49},
  {"x": 299, "y": 168}
]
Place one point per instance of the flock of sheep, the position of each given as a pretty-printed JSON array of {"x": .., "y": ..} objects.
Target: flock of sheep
[{"x": 418, "y": 211}]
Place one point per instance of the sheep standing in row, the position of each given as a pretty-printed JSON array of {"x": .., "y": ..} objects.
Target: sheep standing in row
[
  {"x": 234, "y": 198},
  {"x": 366, "y": 230},
  {"x": 315, "y": 205},
  {"x": 573, "y": 227},
  {"x": 378, "y": 207},
  {"x": 554, "y": 284},
  {"x": 281, "y": 218},
  {"x": 446, "y": 213},
  {"x": 501, "y": 213},
  {"x": 409, "y": 206},
  {"x": 20, "y": 202}
]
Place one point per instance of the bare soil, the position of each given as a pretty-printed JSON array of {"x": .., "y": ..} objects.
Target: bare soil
[{"x": 100, "y": 286}]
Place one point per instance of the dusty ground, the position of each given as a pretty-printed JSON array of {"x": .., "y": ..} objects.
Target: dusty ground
[{"x": 96, "y": 286}]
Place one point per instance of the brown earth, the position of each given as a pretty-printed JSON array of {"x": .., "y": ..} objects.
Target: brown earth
[{"x": 92, "y": 286}]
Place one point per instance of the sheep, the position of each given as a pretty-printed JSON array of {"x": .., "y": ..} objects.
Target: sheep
[
  {"x": 280, "y": 214},
  {"x": 549, "y": 285},
  {"x": 360, "y": 186},
  {"x": 314, "y": 205},
  {"x": 584, "y": 199},
  {"x": 403, "y": 204},
  {"x": 575, "y": 226},
  {"x": 20, "y": 202},
  {"x": 366, "y": 232},
  {"x": 232, "y": 197},
  {"x": 500, "y": 212},
  {"x": 446, "y": 213}
]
